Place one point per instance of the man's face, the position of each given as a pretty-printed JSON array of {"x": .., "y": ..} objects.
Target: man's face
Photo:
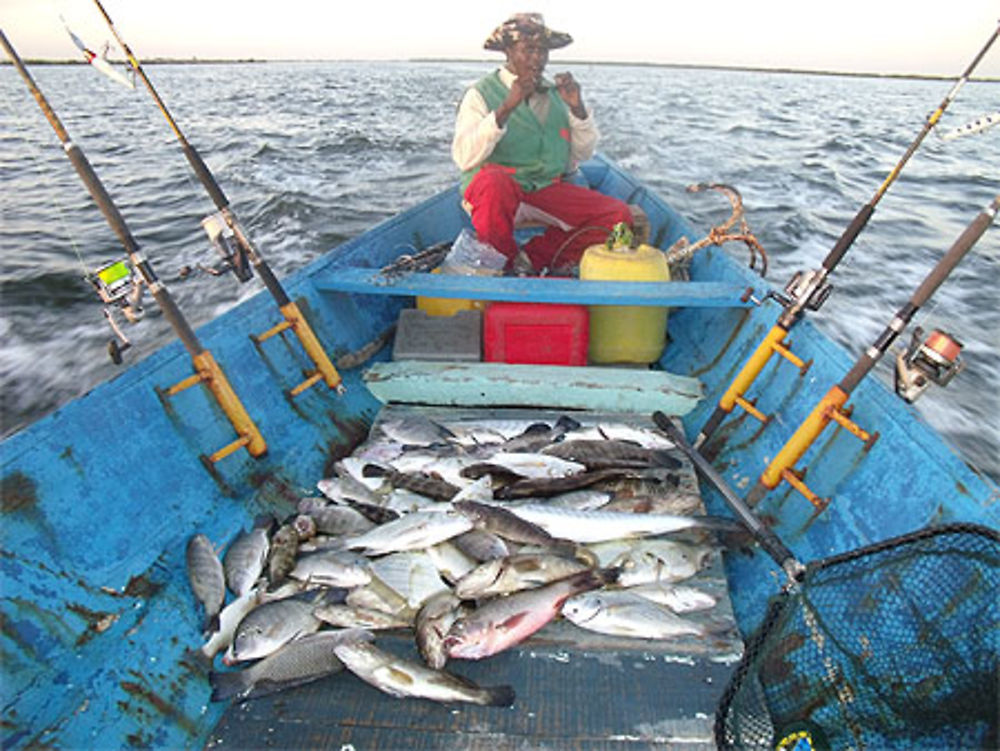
[{"x": 527, "y": 58}]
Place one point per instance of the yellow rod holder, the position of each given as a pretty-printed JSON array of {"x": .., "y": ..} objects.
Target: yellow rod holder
[
  {"x": 208, "y": 372},
  {"x": 325, "y": 370},
  {"x": 795, "y": 480},
  {"x": 752, "y": 368},
  {"x": 749, "y": 407},
  {"x": 830, "y": 408}
]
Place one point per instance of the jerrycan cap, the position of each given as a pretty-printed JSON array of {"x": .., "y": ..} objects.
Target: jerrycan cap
[{"x": 621, "y": 239}]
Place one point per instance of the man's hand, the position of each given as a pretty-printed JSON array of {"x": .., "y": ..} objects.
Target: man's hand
[
  {"x": 523, "y": 87},
  {"x": 569, "y": 90}
]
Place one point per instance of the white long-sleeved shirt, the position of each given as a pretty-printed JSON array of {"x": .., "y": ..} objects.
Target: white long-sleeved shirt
[{"x": 477, "y": 132}]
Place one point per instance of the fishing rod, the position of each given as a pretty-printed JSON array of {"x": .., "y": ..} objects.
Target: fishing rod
[
  {"x": 831, "y": 407},
  {"x": 809, "y": 290},
  {"x": 763, "y": 534},
  {"x": 207, "y": 370},
  {"x": 228, "y": 236}
]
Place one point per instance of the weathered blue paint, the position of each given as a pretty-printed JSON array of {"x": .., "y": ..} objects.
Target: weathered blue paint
[
  {"x": 535, "y": 289},
  {"x": 99, "y": 498}
]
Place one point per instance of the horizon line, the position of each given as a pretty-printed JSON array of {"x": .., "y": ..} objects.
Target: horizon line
[{"x": 620, "y": 63}]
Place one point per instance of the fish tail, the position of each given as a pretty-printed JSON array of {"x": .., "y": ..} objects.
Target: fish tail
[
  {"x": 498, "y": 696},
  {"x": 374, "y": 470},
  {"x": 609, "y": 575},
  {"x": 228, "y": 684},
  {"x": 211, "y": 623},
  {"x": 665, "y": 458},
  {"x": 567, "y": 423}
]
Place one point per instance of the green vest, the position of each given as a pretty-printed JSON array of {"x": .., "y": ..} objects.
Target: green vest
[{"x": 538, "y": 152}]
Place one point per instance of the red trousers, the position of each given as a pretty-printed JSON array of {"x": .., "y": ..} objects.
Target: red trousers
[{"x": 495, "y": 197}]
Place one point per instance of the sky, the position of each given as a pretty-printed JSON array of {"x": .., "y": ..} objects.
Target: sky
[{"x": 858, "y": 36}]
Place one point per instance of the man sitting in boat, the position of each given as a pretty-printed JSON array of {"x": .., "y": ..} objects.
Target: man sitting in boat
[{"x": 516, "y": 137}]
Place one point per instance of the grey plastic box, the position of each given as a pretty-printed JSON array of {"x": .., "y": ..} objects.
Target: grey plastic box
[{"x": 458, "y": 337}]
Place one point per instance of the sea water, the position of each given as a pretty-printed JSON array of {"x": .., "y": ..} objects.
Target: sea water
[{"x": 312, "y": 154}]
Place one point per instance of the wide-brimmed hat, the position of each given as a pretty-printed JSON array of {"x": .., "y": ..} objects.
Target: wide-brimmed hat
[{"x": 525, "y": 25}]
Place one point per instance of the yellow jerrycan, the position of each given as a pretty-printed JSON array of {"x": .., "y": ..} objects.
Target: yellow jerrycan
[{"x": 625, "y": 333}]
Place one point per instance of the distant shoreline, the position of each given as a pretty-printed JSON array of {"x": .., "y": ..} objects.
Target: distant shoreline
[{"x": 690, "y": 66}]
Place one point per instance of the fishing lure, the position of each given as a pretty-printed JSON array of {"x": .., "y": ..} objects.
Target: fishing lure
[{"x": 100, "y": 61}]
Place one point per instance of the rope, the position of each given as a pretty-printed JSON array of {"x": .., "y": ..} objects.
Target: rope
[{"x": 682, "y": 251}]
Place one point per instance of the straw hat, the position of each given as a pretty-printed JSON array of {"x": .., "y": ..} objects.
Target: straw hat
[{"x": 525, "y": 25}]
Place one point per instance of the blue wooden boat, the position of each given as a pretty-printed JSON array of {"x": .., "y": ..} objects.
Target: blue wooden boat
[{"x": 100, "y": 497}]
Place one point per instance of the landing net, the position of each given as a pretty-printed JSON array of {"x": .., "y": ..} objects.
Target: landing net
[{"x": 890, "y": 646}]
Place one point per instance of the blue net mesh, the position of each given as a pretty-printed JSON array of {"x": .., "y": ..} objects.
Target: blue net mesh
[{"x": 891, "y": 646}]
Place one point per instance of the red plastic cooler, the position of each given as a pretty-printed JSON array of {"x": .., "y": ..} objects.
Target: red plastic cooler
[{"x": 536, "y": 333}]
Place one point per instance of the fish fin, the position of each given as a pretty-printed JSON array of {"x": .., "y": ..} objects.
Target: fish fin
[
  {"x": 499, "y": 696},
  {"x": 228, "y": 684},
  {"x": 512, "y": 622},
  {"x": 393, "y": 675},
  {"x": 567, "y": 423}
]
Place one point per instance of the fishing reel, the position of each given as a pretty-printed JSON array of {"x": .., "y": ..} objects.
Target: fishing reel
[
  {"x": 230, "y": 242},
  {"x": 807, "y": 289},
  {"x": 926, "y": 361},
  {"x": 120, "y": 289}
]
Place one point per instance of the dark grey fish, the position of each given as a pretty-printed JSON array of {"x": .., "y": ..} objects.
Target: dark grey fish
[
  {"x": 284, "y": 551},
  {"x": 332, "y": 519},
  {"x": 511, "y": 527},
  {"x": 547, "y": 486},
  {"x": 208, "y": 581},
  {"x": 612, "y": 453},
  {"x": 419, "y": 482},
  {"x": 296, "y": 663}
]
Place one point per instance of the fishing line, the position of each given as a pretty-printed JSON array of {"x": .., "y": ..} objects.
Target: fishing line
[{"x": 54, "y": 196}]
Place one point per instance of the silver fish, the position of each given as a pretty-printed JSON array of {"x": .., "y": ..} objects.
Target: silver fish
[
  {"x": 649, "y": 561},
  {"x": 207, "y": 579},
  {"x": 229, "y": 619},
  {"x": 267, "y": 627},
  {"x": 340, "y": 489},
  {"x": 414, "y": 430},
  {"x": 420, "y": 529},
  {"x": 536, "y": 465},
  {"x": 502, "y": 622},
  {"x": 432, "y": 624},
  {"x": 332, "y": 568},
  {"x": 678, "y": 597},
  {"x": 405, "y": 678},
  {"x": 598, "y": 526},
  {"x": 411, "y": 573},
  {"x": 345, "y": 616},
  {"x": 481, "y": 546},
  {"x": 332, "y": 519},
  {"x": 449, "y": 560},
  {"x": 246, "y": 556},
  {"x": 512, "y": 574},
  {"x": 296, "y": 663},
  {"x": 624, "y": 613},
  {"x": 376, "y": 595}
]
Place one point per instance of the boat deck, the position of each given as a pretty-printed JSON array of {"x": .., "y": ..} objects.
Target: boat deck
[{"x": 575, "y": 689}]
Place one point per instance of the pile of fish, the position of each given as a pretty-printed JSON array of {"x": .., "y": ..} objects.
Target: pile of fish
[{"x": 475, "y": 534}]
